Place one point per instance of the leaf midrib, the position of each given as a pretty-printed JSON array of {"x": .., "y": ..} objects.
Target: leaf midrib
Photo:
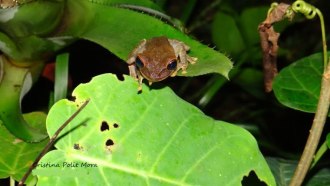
[{"x": 128, "y": 170}]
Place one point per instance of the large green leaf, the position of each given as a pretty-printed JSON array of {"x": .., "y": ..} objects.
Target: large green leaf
[
  {"x": 120, "y": 30},
  {"x": 104, "y": 22},
  {"x": 29, "y": 38},
  {"x": 298, "y": 85},
  {"x": 151, "y": 138},
  {"x": 16, "y": 156}
]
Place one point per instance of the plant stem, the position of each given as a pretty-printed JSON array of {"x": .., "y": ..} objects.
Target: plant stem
[
  {"x": 51, "y": 142},
  {"x": 319, "y": 118},
  {"x": 315, "y": 132},
  {"x": 324, "y": 40},
  {"x": 12, "y": 181}
]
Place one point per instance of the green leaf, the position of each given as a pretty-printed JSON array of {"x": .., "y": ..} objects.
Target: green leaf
[
  {"x": 151, "y": 138},
  {"x": 251, "y": 81},
  {"x": 16, "y": 156},
  {"x": 298, "y": 85},
  {"x": 120, "y": 30},
  {"x": 226, "y": 34},
  {"x": 320, "y": 178},
  {"x": 249, "y": 21},
  {"x": 61, "y": 77},
  {"x": 283, "y": 171}
]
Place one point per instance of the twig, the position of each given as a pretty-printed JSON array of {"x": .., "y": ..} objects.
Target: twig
[
  {"x": 51, "y": 142},
  {"x": 315, "y": 132}
]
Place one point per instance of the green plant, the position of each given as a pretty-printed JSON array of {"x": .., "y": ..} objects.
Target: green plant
[
  {"x": 156, "y": 137},
  {"x": 135, "y": 138}
]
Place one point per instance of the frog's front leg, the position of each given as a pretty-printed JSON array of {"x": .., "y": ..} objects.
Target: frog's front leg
[
  {"x": 181, "y": 51},
  {"x": 133, "y": 71}
]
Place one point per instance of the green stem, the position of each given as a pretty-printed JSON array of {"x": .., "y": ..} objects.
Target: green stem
[
  {"x": 176, "y": 23},
  {"x": 11, "y": 87},
  {"x": 12, "y": 181},
  {"x": 324, "y": 40}
]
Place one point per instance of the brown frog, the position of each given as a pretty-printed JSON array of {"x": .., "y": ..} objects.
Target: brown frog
[{"x": 157, "y": 58}]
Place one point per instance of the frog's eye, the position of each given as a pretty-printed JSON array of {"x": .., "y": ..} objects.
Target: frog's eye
[
  {"x": 172, "y": 65},
  {"x": 139, "y": 63}
]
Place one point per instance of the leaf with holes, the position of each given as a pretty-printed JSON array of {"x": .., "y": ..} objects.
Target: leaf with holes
[{"x": 151, "y": 138}]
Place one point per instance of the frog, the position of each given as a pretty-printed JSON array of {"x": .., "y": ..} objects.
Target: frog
[{"x": 158, "y": 58}]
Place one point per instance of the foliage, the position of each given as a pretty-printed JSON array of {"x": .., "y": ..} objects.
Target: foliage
[
  {"x": 298, "y": 85},
  {"x": 16, "y": 155},
  {"x": 139, "y": 137},
  {"x": 156, "y": 137}
]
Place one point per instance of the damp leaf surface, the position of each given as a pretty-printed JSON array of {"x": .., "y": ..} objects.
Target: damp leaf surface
[{"x": 152, "y": 138}]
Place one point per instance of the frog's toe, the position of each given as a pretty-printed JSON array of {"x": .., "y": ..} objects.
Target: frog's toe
[
  {"x": 192, "y": 60},
  {"x": 140, "y": 88},
  {"x": 174, "y": 74}
]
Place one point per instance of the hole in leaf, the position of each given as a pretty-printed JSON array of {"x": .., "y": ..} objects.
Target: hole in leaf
[
  {"x": 104, "y": 126},
  {"x": 77, "y": 146},
  {"x": 252, "y": 179},
  {"x": 109, "y": 142},
  {"x": 120, "y": 77},
  {"x": 72, "y": 98},
  {"x": 115, "y": 125}
]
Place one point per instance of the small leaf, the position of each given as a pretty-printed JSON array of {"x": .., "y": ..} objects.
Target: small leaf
[
  {"x": 151, "y": 138},
  {"x": 298, "y": 85},
  {"x": 250, "y": 19},
  {"x": 226, "y": 34}
]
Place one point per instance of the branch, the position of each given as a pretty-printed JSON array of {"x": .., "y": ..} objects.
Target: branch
[{"x": 51, "y": 142}]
